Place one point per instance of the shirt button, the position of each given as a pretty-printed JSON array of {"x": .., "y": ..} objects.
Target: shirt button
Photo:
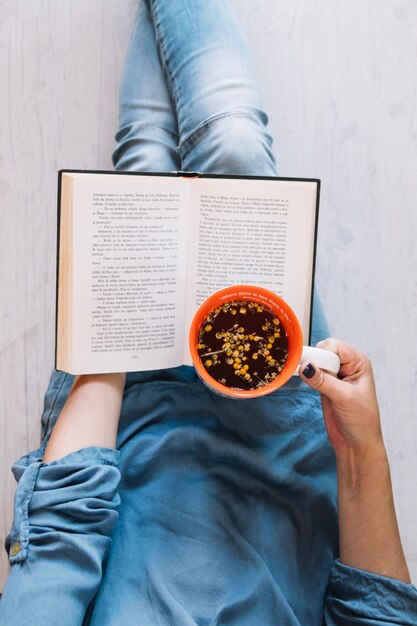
[{"x": 15, "y": 549}]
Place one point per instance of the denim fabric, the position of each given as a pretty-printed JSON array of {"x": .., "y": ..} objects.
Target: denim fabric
[
  {"x": 63, "y": 516},
  {"x": 212, "y": 511},
  {"x": 201, "y": 110},
  {"x": 357, "y": 597}
]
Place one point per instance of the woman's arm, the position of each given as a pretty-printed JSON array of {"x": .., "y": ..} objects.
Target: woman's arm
[
  {"x": 368, "y": 529},
  {"x": 90, "y": 416},
  {"x": 65, "y": 509}
]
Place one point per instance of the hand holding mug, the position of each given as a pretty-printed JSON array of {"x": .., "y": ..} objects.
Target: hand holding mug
[{"x": 350, "y": 406}]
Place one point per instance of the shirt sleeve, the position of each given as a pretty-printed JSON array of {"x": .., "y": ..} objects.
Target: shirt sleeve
[
  {"x": 358, "y": 597},
  {"x": 64, "y": 513}
]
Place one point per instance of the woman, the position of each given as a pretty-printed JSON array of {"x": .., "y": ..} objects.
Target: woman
[{"x": 154, "y": 501}]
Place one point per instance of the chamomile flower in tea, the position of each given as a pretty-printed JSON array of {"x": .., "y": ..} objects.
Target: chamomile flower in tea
[{"x": 243, "y": 345}]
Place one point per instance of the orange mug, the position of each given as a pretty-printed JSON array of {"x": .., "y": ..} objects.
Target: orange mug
[{"x": 297, "y": 352}]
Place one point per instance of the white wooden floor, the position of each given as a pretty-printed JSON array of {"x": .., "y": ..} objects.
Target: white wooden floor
[{"x": 340, "y": 85}]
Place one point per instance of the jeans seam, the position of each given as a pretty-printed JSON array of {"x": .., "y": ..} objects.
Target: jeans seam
[{"x": 164, "y": 56}]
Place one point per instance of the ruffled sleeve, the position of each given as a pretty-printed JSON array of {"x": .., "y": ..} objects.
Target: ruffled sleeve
[
  {"x": 64, "y": 513},
  {"x": 358, "y": 597}
]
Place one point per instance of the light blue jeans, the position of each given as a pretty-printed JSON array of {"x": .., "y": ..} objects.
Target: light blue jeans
[{"x": 189, "y": 98}]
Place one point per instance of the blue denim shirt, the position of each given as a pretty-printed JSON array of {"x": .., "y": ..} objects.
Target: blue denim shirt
[{"x": 212, "y": 511}]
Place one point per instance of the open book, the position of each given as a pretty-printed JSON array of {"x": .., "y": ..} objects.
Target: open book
[{"x": 138, "y": 253}]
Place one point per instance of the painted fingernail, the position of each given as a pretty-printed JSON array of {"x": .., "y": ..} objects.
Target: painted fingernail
[{"x": 309, "y": 371}]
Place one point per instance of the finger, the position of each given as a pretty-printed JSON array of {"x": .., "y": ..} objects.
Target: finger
[
  {"x": 351, "y": 360},
  {"x": 322, "y": 381}
]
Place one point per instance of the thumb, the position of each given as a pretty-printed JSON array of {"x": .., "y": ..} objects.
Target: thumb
[{"x": 323, "y": 382}]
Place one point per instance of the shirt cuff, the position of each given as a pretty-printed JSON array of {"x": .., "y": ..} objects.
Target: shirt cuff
[
  {"x": 77, "y": 493},
  {"x": 356, "y": 593}
]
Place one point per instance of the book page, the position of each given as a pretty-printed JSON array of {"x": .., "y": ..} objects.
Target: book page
[
  {"x": 253, "y": 232},
  {"x": 129, "y": 258}
]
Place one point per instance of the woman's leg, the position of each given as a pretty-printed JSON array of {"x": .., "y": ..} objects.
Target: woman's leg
[
  {"x": 214, "y": 110},
  {"x": 147, "y": 138},
  {"x": 210, "y": 72}
]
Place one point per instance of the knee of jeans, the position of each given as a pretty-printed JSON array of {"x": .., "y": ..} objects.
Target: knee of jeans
[
  {"x": 147, "y": 148},
  {"x": 233, "y": 143}
]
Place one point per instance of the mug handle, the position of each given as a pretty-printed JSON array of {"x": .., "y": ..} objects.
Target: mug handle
[{"x": 325, "y": 359}]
